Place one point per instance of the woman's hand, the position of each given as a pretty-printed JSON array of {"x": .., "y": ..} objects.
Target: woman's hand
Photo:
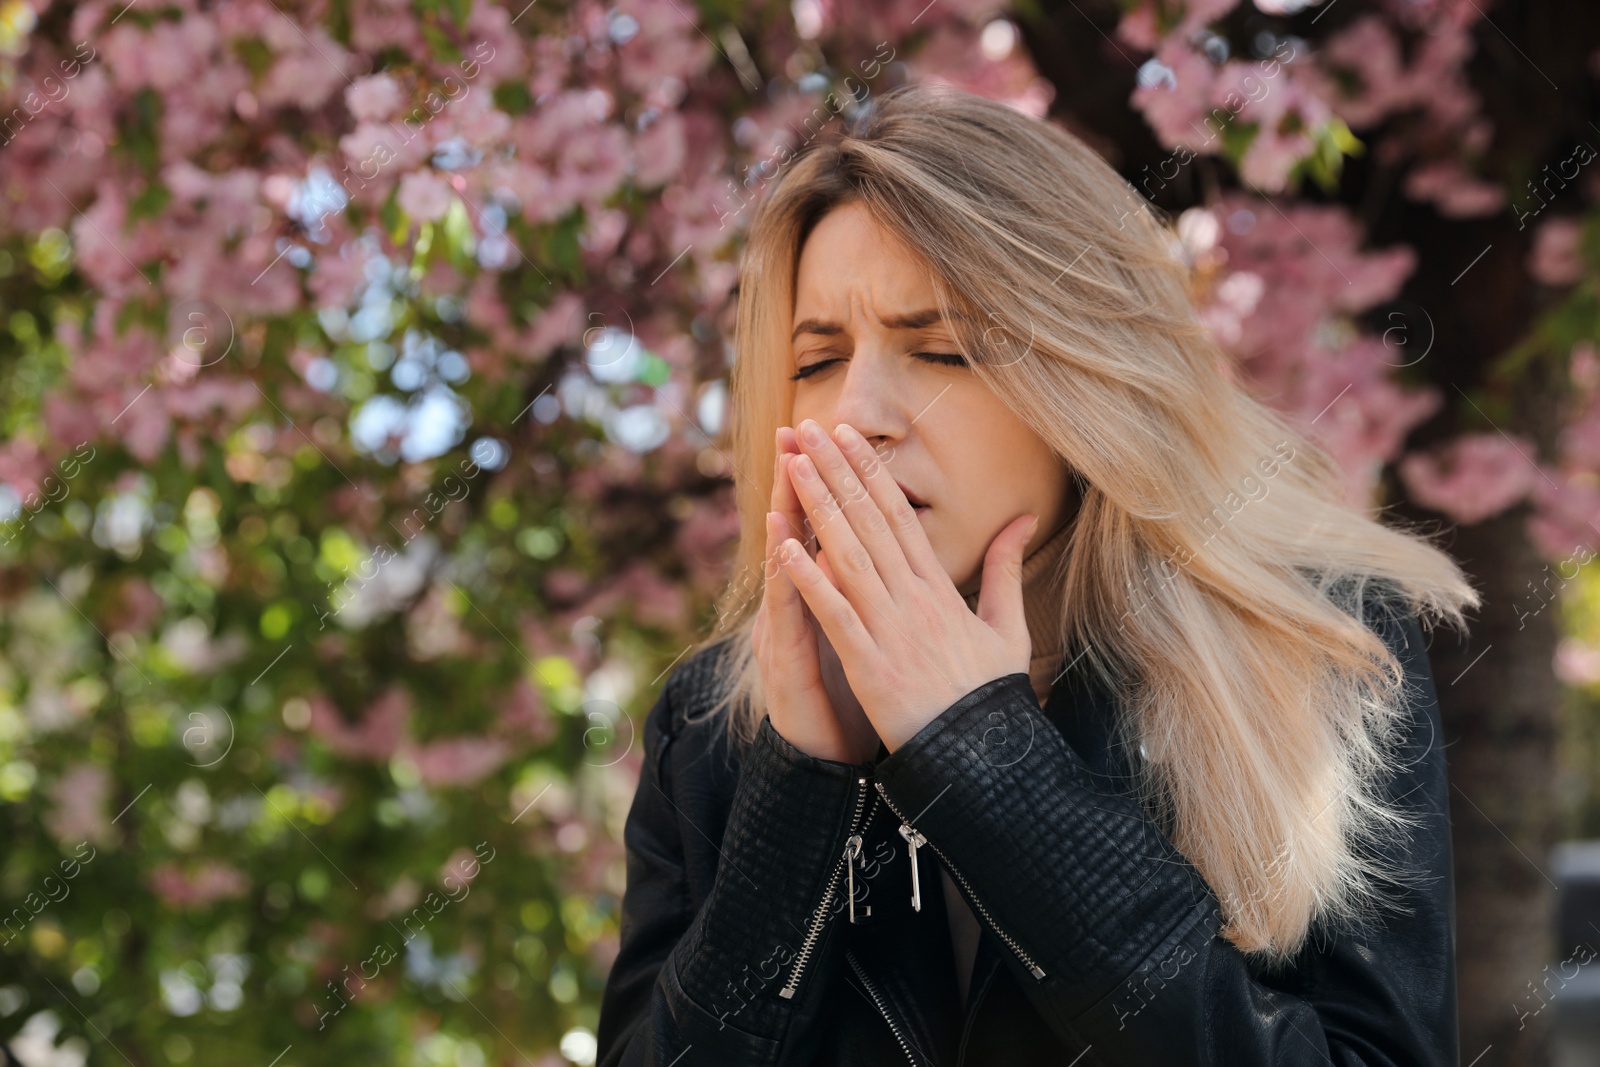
[
  {"x": 908, "y": 644},
  {"x": 810, "y": 707}
]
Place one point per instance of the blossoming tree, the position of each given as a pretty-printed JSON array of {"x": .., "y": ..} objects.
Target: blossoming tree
[{"x": 361, "y": 372}]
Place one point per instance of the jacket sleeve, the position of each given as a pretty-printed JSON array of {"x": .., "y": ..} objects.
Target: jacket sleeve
[
  {"x": 718, "y": 984},
  {"x": 1114, "y": 934}
]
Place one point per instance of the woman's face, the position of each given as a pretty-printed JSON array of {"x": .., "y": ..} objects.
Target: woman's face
[{"x": 870, "y": 351}]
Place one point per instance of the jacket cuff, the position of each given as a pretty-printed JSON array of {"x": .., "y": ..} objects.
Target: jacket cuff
[
  {"x": 784, "y": 840},
  {"x": 1074, "y": 875}
]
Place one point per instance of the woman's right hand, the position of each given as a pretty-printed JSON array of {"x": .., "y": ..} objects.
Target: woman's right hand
[{"x": 786, "y": 643}]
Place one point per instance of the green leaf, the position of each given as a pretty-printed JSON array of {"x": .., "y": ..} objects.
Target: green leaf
[
  {"x": 1236, "y": 139},
  {"x": 255, "y": 55},
  {"x": 442, "y": 48},
  {"x": 561, "y": 245},
  {"x": 149, "y": 203},
  {"x": 513, "y": 98},
  {"x": 458, "y": 230},
  {"x": 394, "y": 220},
  {"x": 655, "y": 371}
]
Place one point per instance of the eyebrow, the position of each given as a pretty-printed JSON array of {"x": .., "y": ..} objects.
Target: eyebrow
[{"x": 914, "y": 320}]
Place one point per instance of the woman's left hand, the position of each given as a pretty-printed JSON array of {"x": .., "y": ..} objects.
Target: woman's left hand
[{"x": 909, "y": 646}]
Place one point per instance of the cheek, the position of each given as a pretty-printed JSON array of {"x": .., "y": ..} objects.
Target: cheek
[
  {"x": 811, "y": 402},
  {"x": 1000, "y": 468},
  {"x": 960, "y": 537}
]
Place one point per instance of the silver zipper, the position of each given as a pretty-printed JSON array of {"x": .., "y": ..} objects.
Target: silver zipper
[
  {"x": 852, "y": 852},
  {"x": 821, "y": 916},
  {"x": 916, "y": 840},
  {"x": 883, "y": 1008}
]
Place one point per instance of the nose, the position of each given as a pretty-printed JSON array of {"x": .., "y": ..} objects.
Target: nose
[{"x": 873, "y": 400}]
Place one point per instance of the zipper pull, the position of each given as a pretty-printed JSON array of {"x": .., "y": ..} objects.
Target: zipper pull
[
  {"x": 915, "y": 840},
  {"x": 852, "y": 852}
]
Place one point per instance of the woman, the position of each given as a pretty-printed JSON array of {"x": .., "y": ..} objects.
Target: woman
[{"x": 1074, "y": 718}]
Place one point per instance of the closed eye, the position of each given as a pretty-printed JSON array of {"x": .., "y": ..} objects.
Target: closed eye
[
  {"x": 947, "y": 359},
  {"x": 943, "y": 359},
  {"x": 810, "y": 369}
]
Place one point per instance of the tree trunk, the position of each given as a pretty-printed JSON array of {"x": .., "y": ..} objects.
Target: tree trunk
[{"x": 1500, "y": 701}]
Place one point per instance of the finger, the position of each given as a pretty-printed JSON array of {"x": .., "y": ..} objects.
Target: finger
[
  {"x": 827, "y": 569},
  {"x": 853, "y": 566},
  {"x": 839, "y": 621},
  {"x": 780, "y": 594},
  {"x": 788, "y": 628},
  {"x": 866, "y": 519},
  {"x": 788, "y": 506},
  {"x": 1000, "y": 595},
  {"x": 897, "y": 511},
  {"x": 787, "y": 441}
]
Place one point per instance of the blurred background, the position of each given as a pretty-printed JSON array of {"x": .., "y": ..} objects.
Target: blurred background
[{"x": 362, "y": 366}]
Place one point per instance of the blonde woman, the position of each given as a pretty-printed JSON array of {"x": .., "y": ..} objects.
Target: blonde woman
[{"x": 1066, "y": 714}]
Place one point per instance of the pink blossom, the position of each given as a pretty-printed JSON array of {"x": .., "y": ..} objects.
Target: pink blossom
[
  {"x": 473, "y": 118},
  {"x": 458, "y": 761},
  {"x": 1566, "y": 513},
  {"x": 1473, "y": 477},
  {"x": 179, "y": 50},
  {"x": 1457, "y": 193},
  {"x": 382, "y": 150},
  {"x": 653, "y": 600},
  {"x": 23, "y": 465},
  {"x": 1580, "y": 440},
  {"x": 562, "y": 322},
  {"x": 549, "y": 65},
  {"x": 1138, "y": 26},
  {"x": 461, "y": 867},
  {"x": 337, "y": 277},
  {"x": 1292, "y": 274},
  {"x": 379, "y": 24},
  {"x": 1178, "y": 112},
  {"x": 1368, "y": 52},
  {"x": 199, "y": 886},
  {"x": 103, "y": 249},
  {"x": 669, "y": 44},
  {"x": 502, "y": 52},
  {"x": 525, "y": 716},
  {"x": 660, "y": 150},
  {"x": 376, "y": 97},
  {"x": 312, "y": 67},
  {"x": 1556, "y": 258},
  {"x": 135, "y": 607},
  {"x": 1271, "y": 156},
  {"x": 1362, "y": 421},
  {"x": 79, "y": 802},
  {"x": 1577, "y": 663},
  {"x": 147, "y": 428},
  {"x": 376, "y": 737},
  {"x": 952, "y": 56},
  {"x": 425, "y": 196},
  {"x": 1585, "y": 367},
  {"x": 1311, "y": 255}
]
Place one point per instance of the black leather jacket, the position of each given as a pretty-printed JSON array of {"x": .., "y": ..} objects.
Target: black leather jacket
[{"x": 1099, "y": 940}]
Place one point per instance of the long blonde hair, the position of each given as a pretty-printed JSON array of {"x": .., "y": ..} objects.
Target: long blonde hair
[{"x": 1215, "y": 575}]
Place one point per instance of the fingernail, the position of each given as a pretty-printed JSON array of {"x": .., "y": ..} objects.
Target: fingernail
[
  {"x": 1031, "y": 531},
  {"x": 804, "y": 467},
  {"x": 811, "y": 433}
]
